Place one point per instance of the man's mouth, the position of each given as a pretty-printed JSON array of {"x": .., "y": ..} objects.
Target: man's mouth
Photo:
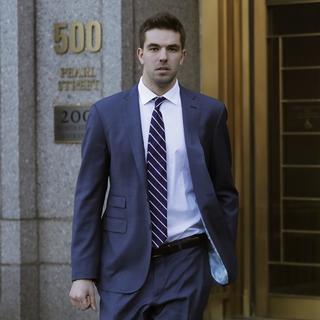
[{"x": 162, "y": 69}]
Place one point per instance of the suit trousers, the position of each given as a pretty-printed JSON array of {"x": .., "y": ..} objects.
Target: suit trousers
[{"x": 177, "y": 288}]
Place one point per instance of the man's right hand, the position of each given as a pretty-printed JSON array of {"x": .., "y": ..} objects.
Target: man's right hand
[{"x": 82, "y": 294}]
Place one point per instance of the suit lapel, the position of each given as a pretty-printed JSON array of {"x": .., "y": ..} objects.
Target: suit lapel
[
  {"x": 131, "y": 118},
  {"x": 190, "y": 115}
]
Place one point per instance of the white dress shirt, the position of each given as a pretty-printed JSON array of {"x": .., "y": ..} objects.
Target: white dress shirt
[{"x": 182, "y": 210}]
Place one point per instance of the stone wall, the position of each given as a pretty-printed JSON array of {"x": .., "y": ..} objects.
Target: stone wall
[
  {"x": 37, "y": 174},
  {"x": 18, "y": 214}
]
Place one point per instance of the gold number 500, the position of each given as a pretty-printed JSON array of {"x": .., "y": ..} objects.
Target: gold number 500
[{"x": 78, "y": 37}]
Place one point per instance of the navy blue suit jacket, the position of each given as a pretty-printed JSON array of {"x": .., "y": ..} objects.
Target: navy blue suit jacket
[{"x": 114, "y": 248}]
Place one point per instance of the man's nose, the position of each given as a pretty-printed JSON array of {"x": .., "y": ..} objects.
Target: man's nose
[{"x": 163, "y": 54}]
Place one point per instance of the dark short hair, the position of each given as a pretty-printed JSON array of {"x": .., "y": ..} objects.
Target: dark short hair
[{"x": 165, "y": 21}]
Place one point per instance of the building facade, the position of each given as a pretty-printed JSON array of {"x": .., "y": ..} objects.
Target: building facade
[{"x": 260, "y": 57}]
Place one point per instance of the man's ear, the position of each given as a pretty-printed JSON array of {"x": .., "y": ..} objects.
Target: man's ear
[
  {"x": 183, "y": 56},
  {"x": 140, "y": 55}
]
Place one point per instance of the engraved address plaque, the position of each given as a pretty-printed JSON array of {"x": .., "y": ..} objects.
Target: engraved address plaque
[{"x": 70, "y": 123}]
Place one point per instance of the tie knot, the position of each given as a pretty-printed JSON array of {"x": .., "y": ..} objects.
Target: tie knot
[{"x": 158, "y": 101}]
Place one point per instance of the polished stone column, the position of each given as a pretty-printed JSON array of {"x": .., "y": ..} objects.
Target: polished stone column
[{"x": 18, "y": 214}]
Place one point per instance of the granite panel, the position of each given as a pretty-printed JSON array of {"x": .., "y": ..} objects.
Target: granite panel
[
  {"x": 10, "y": 242},
  {"x": 29, "y": 241},
  {"x": 1, "y": 45},
  {"x": 10, "y": 293},
  {"x": 17, "y": 124},
  {"x": 55, "y": 283},
  {"x": 26, "y": 90},
  {"x": 55, "y": 241},
  {"x": 18, "y": 239},
  {"x": 9, "y": 102},
  {"x": 128, "y": 45},
  {"x": 29, "y": 292},
  {"x": 112, "y": 54},
  {"x": 58, "y": 164}
]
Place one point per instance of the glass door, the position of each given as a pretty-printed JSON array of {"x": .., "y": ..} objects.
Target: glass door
[{"x": 293, "y": 59}]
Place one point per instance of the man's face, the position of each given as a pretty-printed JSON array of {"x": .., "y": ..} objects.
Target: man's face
[{"x": 161, "y": 56}]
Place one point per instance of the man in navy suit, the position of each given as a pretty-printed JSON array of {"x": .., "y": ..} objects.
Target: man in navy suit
[{"x": 169, "y": 228}]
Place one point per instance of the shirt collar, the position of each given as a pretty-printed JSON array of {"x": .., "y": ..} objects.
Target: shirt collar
[{"x": 146, "y": 95}]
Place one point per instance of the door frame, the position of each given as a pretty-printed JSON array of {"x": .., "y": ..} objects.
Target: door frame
[
  {"x": 225, "y": 74},
  {"x": 260, "y": 129},
  {"x": 234, "y": 69},
  {"x": 266, "y": 304}
]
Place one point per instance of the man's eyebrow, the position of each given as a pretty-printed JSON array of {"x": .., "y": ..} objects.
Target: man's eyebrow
[
  {"x": 153, "y": 45},
  {"x": 174, "y": 45}
]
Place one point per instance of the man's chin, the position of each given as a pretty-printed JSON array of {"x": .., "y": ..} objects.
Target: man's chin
[{"x": 164, "y": 80}]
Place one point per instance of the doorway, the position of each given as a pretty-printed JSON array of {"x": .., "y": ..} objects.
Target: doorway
[
  {"x": 263, "y": 59},
  {"x": 289, "y": 182}
]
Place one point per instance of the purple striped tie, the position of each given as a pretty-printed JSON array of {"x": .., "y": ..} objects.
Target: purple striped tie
[{"x": 157, "y": 175}]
